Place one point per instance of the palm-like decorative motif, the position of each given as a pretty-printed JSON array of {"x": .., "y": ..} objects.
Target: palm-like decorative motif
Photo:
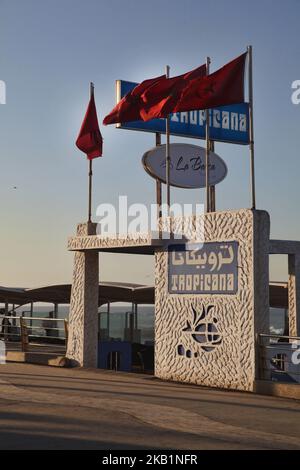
[{"x": 204, "y": 330}]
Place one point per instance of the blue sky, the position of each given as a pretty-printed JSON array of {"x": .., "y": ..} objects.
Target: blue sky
[{"x": 51, "y": 50}]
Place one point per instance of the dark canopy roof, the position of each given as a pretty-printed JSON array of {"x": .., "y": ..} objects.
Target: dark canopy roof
[
  {"x": 60, "y": 293},
  {"x": 112, "y": 292}
]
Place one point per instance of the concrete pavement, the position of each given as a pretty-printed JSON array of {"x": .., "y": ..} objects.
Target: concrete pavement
[{"x": 52, "y": 408}]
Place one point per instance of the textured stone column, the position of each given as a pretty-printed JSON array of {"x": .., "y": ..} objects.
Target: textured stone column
[
  {"x": 238, "y": 317},
  {"x": 83, "y": 319},
  {"x": 294, "y": 295}
]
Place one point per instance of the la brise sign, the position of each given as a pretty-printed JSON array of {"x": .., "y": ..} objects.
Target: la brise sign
[{"x": 187, "y": 167}]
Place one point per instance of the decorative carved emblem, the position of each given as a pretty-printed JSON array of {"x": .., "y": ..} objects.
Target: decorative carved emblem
[{"x": 204, "y": 331}]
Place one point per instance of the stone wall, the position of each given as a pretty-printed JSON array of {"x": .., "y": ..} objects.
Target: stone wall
[
  {"x": 83, "y": 319},
  {"x": 237, "y": 317}
]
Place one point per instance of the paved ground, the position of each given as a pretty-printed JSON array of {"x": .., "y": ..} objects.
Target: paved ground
[{"x": 53, "y": 408}]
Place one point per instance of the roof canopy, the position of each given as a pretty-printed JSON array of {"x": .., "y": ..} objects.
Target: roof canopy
[
  {"x": 112, "y": 292},
  {"x": 61, "y": 293}
]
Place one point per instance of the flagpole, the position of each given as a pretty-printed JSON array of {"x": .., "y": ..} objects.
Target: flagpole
[
  {"x": 90, "y": 169},
  {"x": 212, "y": 188},
  {"x": 158, "y": 191},
  {"x": 251, "y": 130},
  {"x": 207, "y": 148},
  {"x": 168, "y": 159}
]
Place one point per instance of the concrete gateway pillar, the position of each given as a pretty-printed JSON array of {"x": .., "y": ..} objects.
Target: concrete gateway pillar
[
  {"x": 83, "y": 318},
  {"x": 294, "y": 294},
  {"x": 210, "y": 304},
  {"x": 211, "y": 296}
]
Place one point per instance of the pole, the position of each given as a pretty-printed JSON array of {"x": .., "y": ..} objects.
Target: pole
[
  {"x": 212, "y": 198},
  {"x": 251, "y": 130},
  {"x": 168, "y": 159},
  {"x": 31, "y": 313},
  {"x": 136, "y": 316},
  {"x": 158, "y": 190},
  {"x": 90, "y": 169},
  {"x": 5, "y": 322},
  {"x": 108, "y": 319},
  {"x": 212, "y": 192},
  {"x": 207, "y": 148}
]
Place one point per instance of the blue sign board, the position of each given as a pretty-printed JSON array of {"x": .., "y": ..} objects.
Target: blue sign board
[
  {"x": 227, "y": 123},
  {"x": 208, "y": 268}
]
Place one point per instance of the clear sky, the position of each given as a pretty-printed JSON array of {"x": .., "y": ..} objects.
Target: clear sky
[{"x": 49, "y": 52}]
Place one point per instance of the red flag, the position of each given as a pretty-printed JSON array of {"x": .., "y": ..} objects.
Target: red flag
[
  {"x": 223, "y": 87},
  {"x": 161, "y": 98},
  {"x": 128, "y": 109},
  {"x": 89, "y": 139}
]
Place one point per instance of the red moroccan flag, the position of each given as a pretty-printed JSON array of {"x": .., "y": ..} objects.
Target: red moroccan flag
[
  {"x": 129, "y": 107},
  {"x": 221, "y": 88},
  {"x": 161, "y": 98},
  {"x": 89, "y": 139}
]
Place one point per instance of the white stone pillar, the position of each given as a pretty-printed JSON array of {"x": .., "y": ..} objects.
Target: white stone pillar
[
  {"x": 182, "y": 352},
  {"x": 83, "y": 320},
  {"x": 294, "y": 295}
]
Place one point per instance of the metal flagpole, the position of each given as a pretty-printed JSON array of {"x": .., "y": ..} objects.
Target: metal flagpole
[
  {"x": 207, "y": 148},
  {"x": 90, "y": 168},
  {"x": 168, "y": 159},
  {"x": 212, "y": 188},
  {"x": 158, "y": 190},
  {"x": 251, "y": 131}
]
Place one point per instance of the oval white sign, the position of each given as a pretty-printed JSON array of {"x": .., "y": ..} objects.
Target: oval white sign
[{"x": 187, "y": 165}]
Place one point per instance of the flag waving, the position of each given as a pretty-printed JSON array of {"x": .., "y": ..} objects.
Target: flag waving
[
  {"x": 161, "y": 98},
  {"x": 129, "y": 108},
  {"x": 158, "y": 97},
  {"x": 221, "y": 88},
  {"x": 89, "y": 139}
]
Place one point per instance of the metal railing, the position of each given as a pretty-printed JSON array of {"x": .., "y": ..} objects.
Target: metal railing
[
  {"x": 33, "y": 330},
  {"x": 279, "y": 358}
]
